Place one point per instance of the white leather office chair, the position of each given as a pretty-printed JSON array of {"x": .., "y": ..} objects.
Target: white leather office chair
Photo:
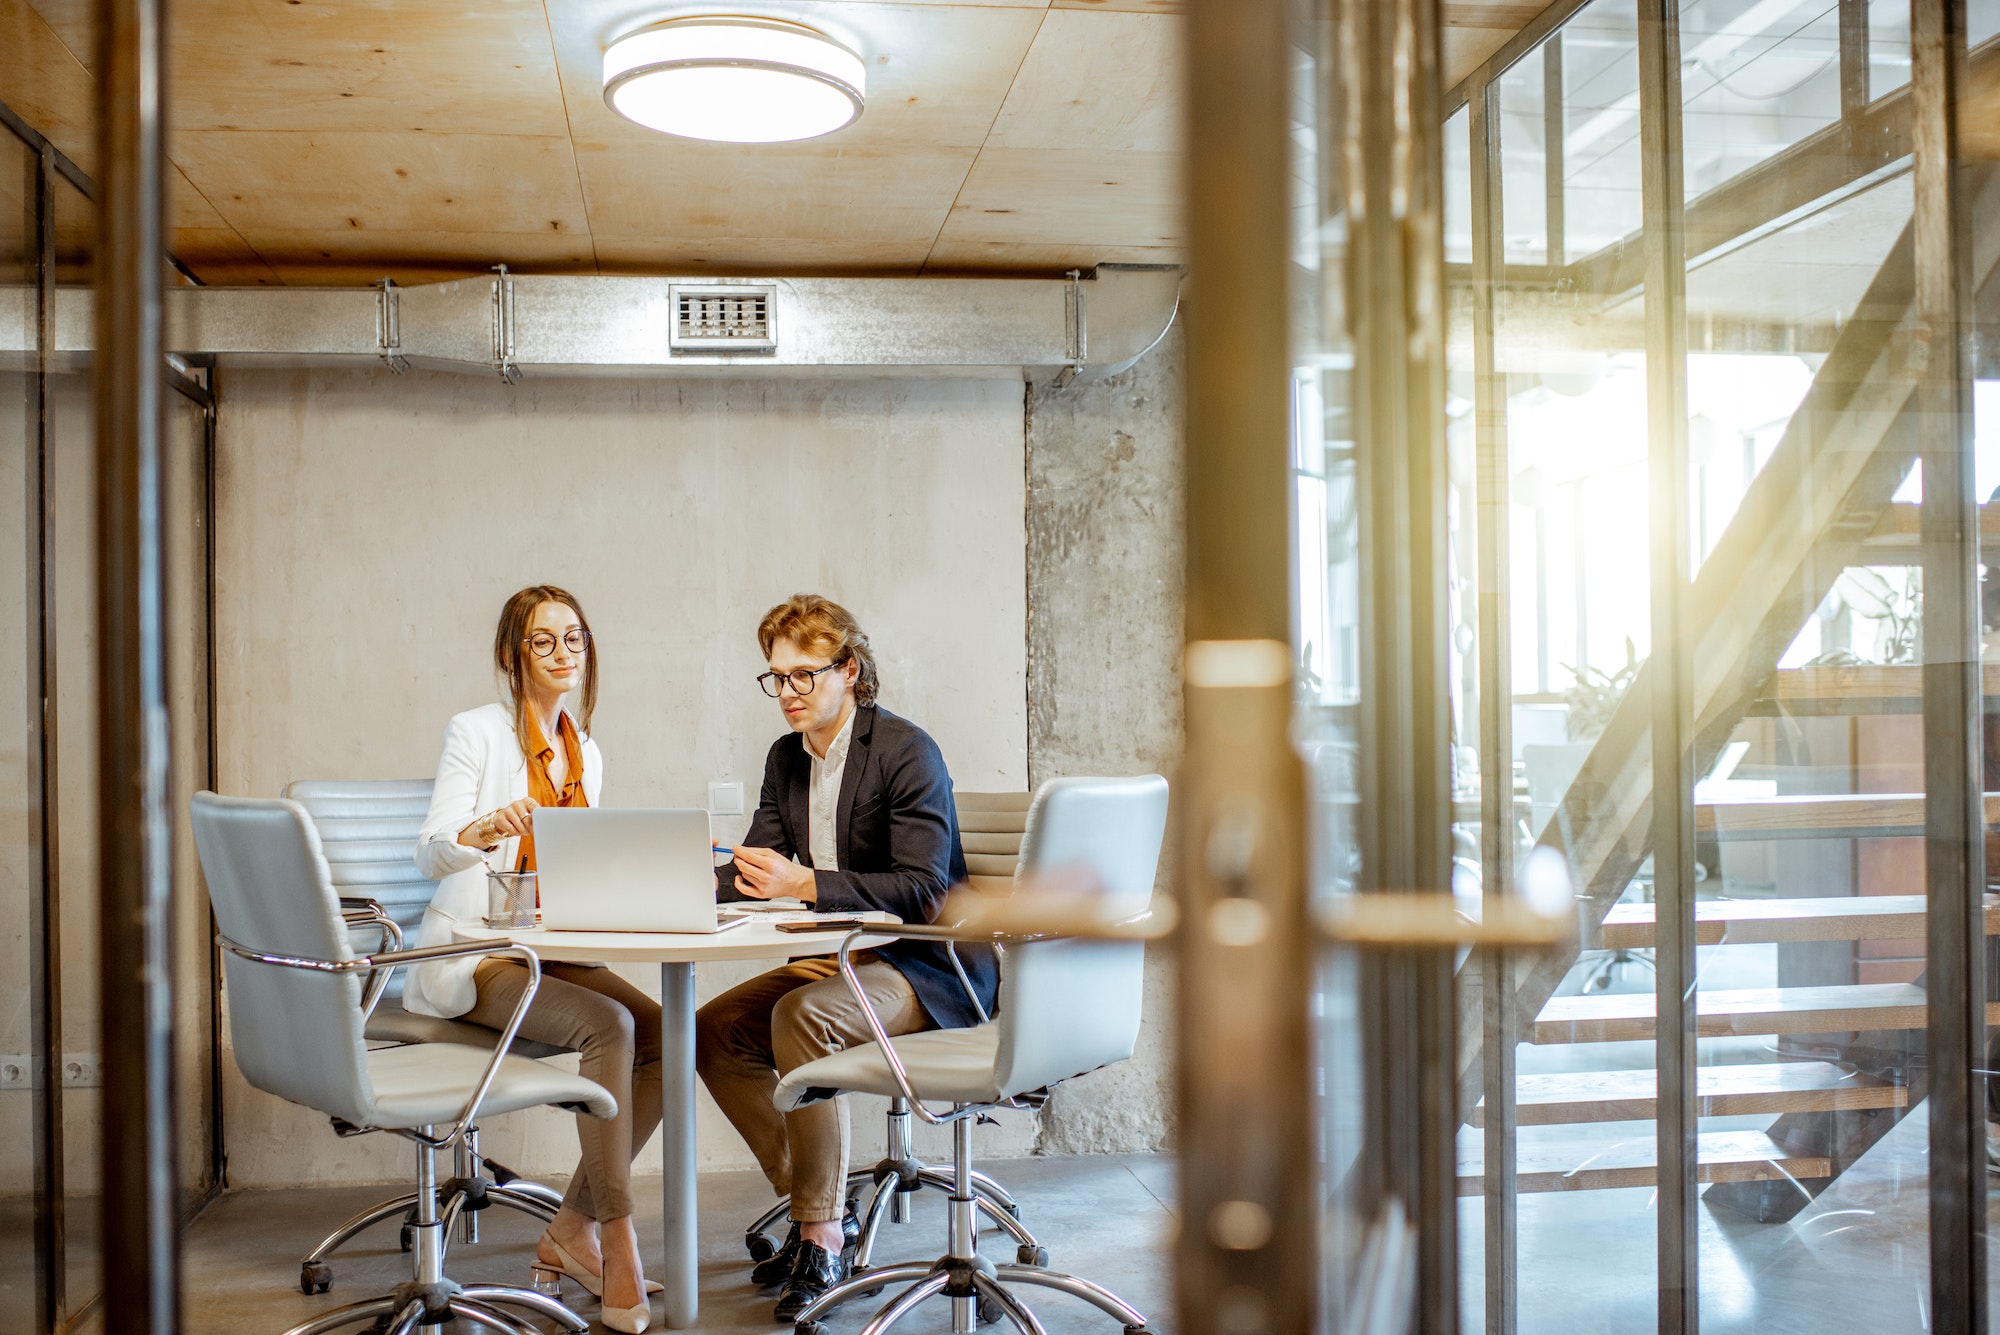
[
  {"x": 297, "y": 1015},
  {"x": 1067, "y": 1006},
  {"x": 990, "y": 826},
  {"x": 368, "y": 829}
]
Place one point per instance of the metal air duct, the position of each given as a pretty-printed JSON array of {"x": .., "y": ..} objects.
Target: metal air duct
[{"x": 519, "y": 325}]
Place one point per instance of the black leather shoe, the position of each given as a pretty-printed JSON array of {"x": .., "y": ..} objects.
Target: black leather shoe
[
  {"x": 774, "y": 1270},
  {"x": 814, "y": 1271}
]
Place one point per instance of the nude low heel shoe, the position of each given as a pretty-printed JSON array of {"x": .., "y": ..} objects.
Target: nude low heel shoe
[
  {"x": 545, "y": 1274},
  {"x": 630, "y": 1320}
]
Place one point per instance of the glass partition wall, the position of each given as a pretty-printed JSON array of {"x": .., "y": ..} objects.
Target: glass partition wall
[
  {"x": 1686, "y": 284},
  {"x": 52, "y": 1118}
]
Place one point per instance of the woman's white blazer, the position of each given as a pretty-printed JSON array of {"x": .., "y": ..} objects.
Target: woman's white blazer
[{"x": 481, "y": 769}]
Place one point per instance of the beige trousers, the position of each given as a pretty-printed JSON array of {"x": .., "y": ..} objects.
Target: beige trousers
[
  {"x": 752, "y": 1034},
  {"x": 615, "y": 1029}
]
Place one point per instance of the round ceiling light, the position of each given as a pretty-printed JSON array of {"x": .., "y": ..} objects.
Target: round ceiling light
[{"x": 735, "y": 80}]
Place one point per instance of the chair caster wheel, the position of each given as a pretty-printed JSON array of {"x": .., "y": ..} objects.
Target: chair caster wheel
[
  {"x": 810, "y": 1328},
  {"x": 1138, "y": 1330},
  {"x": 407, "y": 1238},
  {"x": 315, "y": 1277},
  {"x": 1034, "y": 1256},
  {"x": 989, "y": 1312},
  {"x": 760, "y": 1247}
]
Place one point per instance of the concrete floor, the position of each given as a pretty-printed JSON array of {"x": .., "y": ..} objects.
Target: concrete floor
[{"x": 1108, "y": 1218}]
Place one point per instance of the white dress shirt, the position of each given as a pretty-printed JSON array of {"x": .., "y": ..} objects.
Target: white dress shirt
[{"x": 823, "y": 797}]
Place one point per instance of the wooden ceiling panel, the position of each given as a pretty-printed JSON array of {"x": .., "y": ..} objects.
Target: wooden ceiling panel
[
  {"x": 781, "y": 255},
  {"x": 438, "y": 184},
  {"x": 1125, "y": 6},
  {"x": 1467, "y": 46},
  {"x": 317, "y": 258},
  {"x": 950, "y": 256},
  {"x": 937, "y": 73},
  {"x": 438, "y": 66},
  {"x": 45, "y": 83},
  {"x": 1074, "y": 197},
  {"x": 337, "y": 140},
  {"x": 1097, "y": 81},
  {"x": 720, "y": 201},
  {"x": 220, "y": 257}
]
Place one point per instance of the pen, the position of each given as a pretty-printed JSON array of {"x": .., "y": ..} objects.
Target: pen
[{"x": 719, "y": 848}]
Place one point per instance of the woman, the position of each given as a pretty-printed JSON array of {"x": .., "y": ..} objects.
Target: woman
[{"x": 500, "y": 763}]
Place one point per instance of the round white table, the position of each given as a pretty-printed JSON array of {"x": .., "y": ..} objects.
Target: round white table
[{"x": 677, "y": 953}]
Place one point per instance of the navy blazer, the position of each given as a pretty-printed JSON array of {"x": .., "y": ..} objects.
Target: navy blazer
[{"x": 896, "y": 829}]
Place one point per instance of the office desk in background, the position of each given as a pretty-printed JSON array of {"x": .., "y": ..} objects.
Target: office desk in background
[{"x": 677, "y": 953}]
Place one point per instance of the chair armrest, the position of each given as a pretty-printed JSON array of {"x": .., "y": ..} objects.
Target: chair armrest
[
  {"x": 387, "y": 962},
  {"x": 373, "y": 915}
]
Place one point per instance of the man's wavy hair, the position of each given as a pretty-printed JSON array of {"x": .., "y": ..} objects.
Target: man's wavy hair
[{"x": 820, "y": 625}]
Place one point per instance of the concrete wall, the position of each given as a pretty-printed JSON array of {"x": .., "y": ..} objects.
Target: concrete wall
[
  {"x": 370, "y": 526},
  {"x": 1105, "y": 591},
  {"x": 1017, "y": 561}
]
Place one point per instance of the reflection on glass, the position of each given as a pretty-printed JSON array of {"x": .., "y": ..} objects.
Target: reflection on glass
[
  {"x": 1600, "y": 120},
  {"x": 1756, "y": 77}
]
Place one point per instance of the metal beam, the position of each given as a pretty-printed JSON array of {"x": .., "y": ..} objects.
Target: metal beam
[
  {"x": 44, "y": 824},
  {"x": 1954, "y": 825},
  {"x": 1496, "y": 708},
  {"x": 140, "y": 1211},
  {"x": 1247, "y": 1253},
  {"x": 1853, "y": 57},
  {"x": 1393, "y": 298},
  {"x": 1670, "y": 681},
  {"x": 1553, "y": 158}
]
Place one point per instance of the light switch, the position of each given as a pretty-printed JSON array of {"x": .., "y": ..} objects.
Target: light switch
[{"x": 725, "y": 799}]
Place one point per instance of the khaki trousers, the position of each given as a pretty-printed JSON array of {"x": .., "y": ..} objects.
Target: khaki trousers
[
  {"x": 615, "y": 1029},
  {"x": 752, "y": 1034}
]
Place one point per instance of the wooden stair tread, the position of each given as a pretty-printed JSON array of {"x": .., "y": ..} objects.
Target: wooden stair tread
[
  {"x": 1725, "y": 1156},
  {"x": 1834, "y": 815},
  {"x": 1861, "y": 683},
  {"x": 1721, "y": 1091},
  {"x": 1752, "y": 921},
  {"x": 1741, "y": 1011}
]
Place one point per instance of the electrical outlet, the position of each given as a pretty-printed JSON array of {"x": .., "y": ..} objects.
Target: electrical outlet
[
  {"x": 15, "y": 1072},
  {"x": 725, "y": 798},
  {"x": 82, "y": 1070}
]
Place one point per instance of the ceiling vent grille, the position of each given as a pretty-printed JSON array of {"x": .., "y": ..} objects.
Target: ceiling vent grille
[{"x": 724, "y": 319}]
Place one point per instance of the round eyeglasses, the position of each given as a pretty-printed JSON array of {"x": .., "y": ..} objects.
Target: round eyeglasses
[
  {"x": 541, "y": 644},
  {"x": 801, "y": 680}
]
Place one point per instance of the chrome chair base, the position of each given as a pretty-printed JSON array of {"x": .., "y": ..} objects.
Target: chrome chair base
[
  {"x": 979, "y": 1291},
  {"x": 476, "y": 1179},
  {"x": 895, "y": 1178},
  {"x": 428, "y": 1298}
]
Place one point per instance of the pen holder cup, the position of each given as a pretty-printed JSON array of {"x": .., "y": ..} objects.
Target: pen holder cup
[{"x": 510, "y": 899}]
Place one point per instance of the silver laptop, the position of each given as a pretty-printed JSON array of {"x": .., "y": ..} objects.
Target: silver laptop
[{"x": 626, "y": 871}]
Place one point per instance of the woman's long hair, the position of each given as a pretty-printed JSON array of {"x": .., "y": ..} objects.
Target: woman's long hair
[{"x": 510, "y": 654}]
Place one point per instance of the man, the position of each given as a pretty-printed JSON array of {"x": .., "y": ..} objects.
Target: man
[{"x": 856, "y": 813}]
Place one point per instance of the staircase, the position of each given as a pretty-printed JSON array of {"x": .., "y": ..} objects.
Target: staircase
[
  {"x": 1839, "y": 1040},
  {"x": 1866, "y": 1068}
]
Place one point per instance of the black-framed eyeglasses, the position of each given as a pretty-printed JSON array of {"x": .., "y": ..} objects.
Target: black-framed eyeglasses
[
  {"x": 801, "y": 680},
  {"x": 542, "y": 643}
]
